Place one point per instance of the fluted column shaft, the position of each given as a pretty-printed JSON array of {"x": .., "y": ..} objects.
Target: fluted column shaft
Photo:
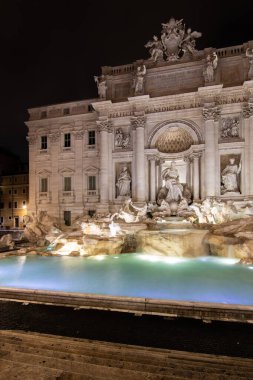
[
  {"x": 196, "y": 177},
  {"x": 138, "y": 124},
  {"x": 210, "y": 116},
  {"x": 152, "y": 180},
  {"x": 104, "y": 162}
]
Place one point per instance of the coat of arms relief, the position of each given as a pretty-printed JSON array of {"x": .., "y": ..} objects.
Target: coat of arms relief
[{"x": 175, "y": 42}]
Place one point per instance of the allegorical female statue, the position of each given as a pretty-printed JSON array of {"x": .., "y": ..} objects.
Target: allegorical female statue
[
  {"x": 229, "y": 177},
  {"x": 123, "y": 183},
  {"x": 101, "y": 84},
  {"x": 139, "y": 80}
]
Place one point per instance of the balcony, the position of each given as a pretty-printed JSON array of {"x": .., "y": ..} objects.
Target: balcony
[
  {"x": 67, "y": 196},
  {"x": 91, "y": 196},
  {"x": 45, "y": 197}
]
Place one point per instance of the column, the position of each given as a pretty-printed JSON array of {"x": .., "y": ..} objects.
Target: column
[
  {"x": 152, "y": 179},
  {"x": 54, "y": 208},
  {"x": 138, "y": 124},
  {"x": 104, "y": 161},
  {"x": 33, "y": 186},
  {"x": 78, "y": 189},
  {"x": 248, "y": 123},
  {"x": 210, "y": 116},
  {"x": 188, "y": 171},
  {"x": 196, "y": 176},
  {"x": 110, "y": 164}
]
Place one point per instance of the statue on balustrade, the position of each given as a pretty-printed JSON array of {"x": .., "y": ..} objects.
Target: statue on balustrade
[
  {"x": 210, "y": 67},
  {"x": 230, "y": 177},
  {"x": 138, "y": 83},
  {"x": 249, "y": 55},
  {"x": 123, "y": 183},
  {"x": 101, "y": 85}
]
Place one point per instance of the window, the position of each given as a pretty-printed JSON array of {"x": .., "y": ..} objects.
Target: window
[
  {"x": 15, "y": 191},
  {"x": 67, "y": 140},
  {"x": 43, "y": 114},
  {"x": 10, "y": 217},
  {"x": 43, "y": 185},
  {"x": 66, "y": 111},
  {"x": 67, "y": 183},
  {"x": 1, "y": 205},
  {"x": 1, "y": 220},
  {"x": 92, "y": 182},
  {"x": 24, "y": 203},
  {"x": 9, "y": 191},
  {"x": 15, "y": 204},
  {"x": 9, "y": 204},
  {"x": 43, "y": 142},
  {"x": 24, "y": 191},
  {"x": 91, "y": 137}
]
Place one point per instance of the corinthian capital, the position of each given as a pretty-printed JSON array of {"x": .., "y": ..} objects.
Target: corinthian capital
[
  {"x": 211, "y": 113},
  {"x": 104, "y": 125},
  {"x": 247, "y": 110},
  {"x": 138, "y": 122}
]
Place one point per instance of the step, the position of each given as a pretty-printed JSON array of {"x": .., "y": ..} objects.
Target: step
[
  {"x": 124, "y": 362},
  {"x": 109, "y": 360}
]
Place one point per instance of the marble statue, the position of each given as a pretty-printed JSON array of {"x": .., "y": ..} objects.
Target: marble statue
[
  {"x": 139, "y": 80},
  {"x": 101, "y": 85},
  {"x": 230, "y": 127},
  {"x": 171, "y": 177},
  {"x": 123, "y": 183},
  {"x": 122, "y": 140},
  {"x": 229, "y": 177},
  {"x": 249, "y": 55},
  {"x": 175, "y": 41},
  {"x": 211, "y": 66},
  {"x": 156, "y": 49}
]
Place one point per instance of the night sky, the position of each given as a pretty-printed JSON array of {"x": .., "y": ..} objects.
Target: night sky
[{"x": 50, "y": 50}]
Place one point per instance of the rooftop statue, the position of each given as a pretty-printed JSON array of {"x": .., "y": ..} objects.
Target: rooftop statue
[
  {"x": 175, "y": 41},
  {"x": 249, "y": 55},
  {"x": 101, "y": 84},
  {"x": 210, "y": 67}
]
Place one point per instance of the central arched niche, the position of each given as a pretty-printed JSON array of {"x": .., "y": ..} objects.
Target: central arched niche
[
  {"x": 174, "y": 140},
  {"x": 174, "y": 136}
]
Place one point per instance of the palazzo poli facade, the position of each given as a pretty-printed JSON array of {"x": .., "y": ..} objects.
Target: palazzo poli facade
[{"x": 184, "y": 109}]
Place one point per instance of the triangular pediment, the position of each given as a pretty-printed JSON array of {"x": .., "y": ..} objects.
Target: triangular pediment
[{"x": 91, "y": 169}]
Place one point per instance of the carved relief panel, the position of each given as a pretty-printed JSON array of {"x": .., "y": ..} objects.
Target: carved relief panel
[
  {"x": 122, "y": 139},
  {"x": 230, "y": 128}
]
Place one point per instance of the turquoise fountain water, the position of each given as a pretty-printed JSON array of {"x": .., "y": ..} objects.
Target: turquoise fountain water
[{"x": 202, "y": 279}]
